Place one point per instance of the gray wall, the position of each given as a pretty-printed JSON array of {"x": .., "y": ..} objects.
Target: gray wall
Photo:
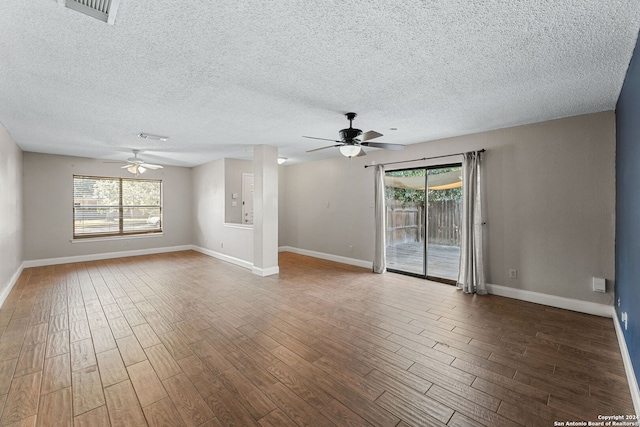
[
  {"x": 209, "y": 229},
  {"x": 11, "y": 222},
  {"x": 550, "y": 203},
  {"x": 233, "y": 170},
  {"x": 327, "y": 206},
  {"x": 48, "y": 186}
]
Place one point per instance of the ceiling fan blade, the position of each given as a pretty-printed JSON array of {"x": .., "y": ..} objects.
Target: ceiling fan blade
[
  {"x": 361, "y": 153},
  {"x": 322, "y": 148},
  {"x": 125, "y": 166},
  {"x": 150, "y": 166},
  {"x": 383, "y": 145},
  {"x": 372, "y": 134},
  {"x": 321, "y": 139}
]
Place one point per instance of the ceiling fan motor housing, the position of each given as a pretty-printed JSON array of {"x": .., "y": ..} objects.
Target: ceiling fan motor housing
[
  {"x": 352, "y": 140},
  {"x": 348, "y": 135}
]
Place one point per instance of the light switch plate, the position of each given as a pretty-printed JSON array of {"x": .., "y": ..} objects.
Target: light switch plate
[{"x": 599, "y": 285}]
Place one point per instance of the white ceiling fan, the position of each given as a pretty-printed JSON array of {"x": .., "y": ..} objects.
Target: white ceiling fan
[{"x": 137, "y": 166}]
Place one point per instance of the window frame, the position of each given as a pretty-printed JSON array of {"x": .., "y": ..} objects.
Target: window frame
[{"x": 120, "y": 207}]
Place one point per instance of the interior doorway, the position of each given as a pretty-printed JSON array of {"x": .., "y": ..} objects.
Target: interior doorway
[{"x": 424, "y": 213}]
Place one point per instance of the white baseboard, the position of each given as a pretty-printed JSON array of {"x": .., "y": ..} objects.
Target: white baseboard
[
  {"x": 263, "y": 272},
  {"x": 587, "y": 307},
  {"x": 12, "y": 282},
  {"x": 137, "y": 252},
  {"x": 223, "y": 257},
  {"x": 628, "y": 366},
  {"x": 328, "y": 257},
  {"x": 105, "y": 255}
]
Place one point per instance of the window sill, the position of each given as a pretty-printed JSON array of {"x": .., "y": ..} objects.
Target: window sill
[
  {"x": 235, "y": 225},
  {"x": 104, "y": 239}
]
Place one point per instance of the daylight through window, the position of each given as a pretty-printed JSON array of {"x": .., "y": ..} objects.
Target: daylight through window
[{"x": 105, "y": 206}]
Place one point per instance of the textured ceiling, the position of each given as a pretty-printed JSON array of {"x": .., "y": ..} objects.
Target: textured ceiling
[{"x": 220, "y": 77}]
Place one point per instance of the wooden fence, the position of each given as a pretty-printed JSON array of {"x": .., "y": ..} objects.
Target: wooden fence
[{"x": 405, "y": 222}]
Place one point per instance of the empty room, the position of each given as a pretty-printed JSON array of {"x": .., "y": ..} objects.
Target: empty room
[{"x": 410, "y": 213}]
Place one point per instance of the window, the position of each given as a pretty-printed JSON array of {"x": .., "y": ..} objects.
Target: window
[{"x": 105, "y": 206}]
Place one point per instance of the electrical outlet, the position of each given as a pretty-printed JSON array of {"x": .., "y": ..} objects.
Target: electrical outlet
[
  {"x": 625, "y": 318},
  {"x": 221, "y": 245},
  {"x": 350, "y": 248},
  {"x": 513, "y": 273},
  {"x": 618, "y": 302}
]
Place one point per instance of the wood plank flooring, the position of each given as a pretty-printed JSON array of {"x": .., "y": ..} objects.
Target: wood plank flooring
[{"x": 182, "y": 339}]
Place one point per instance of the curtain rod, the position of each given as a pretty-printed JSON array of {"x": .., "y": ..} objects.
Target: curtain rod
[{"x": 418, "y": 160}]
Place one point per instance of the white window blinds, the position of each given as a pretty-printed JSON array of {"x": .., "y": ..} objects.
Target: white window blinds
[{"x": 104, "y": 206}]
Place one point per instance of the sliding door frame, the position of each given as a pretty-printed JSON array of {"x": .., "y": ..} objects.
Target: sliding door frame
[{"x": 425, "y": 237}]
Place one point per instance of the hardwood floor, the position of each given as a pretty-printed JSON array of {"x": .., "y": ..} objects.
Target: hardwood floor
[{"x": 181, "y": 339}]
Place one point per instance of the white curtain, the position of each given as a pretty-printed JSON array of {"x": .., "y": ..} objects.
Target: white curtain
[
  {"x": 471, "y": 278},
  {"x": 380, "y": 258}
]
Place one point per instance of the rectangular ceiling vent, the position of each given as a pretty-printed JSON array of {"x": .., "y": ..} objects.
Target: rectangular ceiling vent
[{"x": 104, "y": 10}]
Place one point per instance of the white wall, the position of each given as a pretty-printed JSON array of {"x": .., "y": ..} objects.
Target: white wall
[
  {"x": 550, "y": 203},
  {"x": 48, "y": 187},
  {"x": 209, "y": 229},
  {"x": 265, "y": 205},
  {"x": 11, "y": 221}
]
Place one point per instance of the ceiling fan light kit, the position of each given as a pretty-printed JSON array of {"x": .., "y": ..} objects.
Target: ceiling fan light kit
[
  {"x": 136, "y": 165},
  {"x": 352, "y": 140},
  {"x": 350, "y": 150},
  {"x": 135, "y": 169}
]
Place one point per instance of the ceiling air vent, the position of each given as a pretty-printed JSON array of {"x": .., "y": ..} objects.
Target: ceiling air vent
[{"x": 104, "y": 10}]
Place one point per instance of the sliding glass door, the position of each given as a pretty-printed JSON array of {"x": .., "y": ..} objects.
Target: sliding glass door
[
  {"x": 423, "y": 221},
  {"x": 405, "y": 195}
]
